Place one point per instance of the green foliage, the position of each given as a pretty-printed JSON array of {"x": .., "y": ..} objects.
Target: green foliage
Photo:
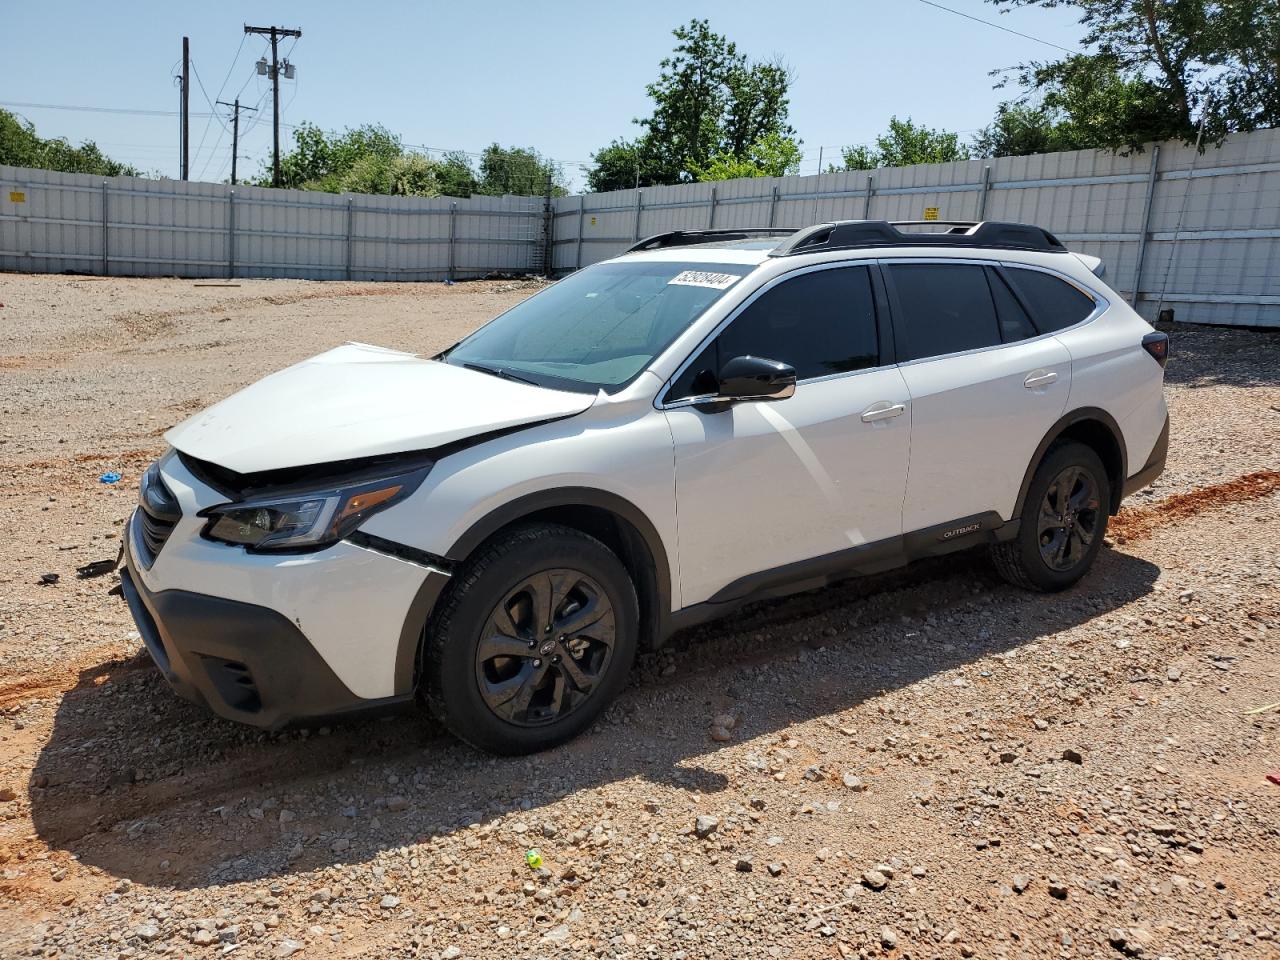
[
  {"x": 518, "y": 170},
  {"x": 21, "y": 146},
  {"x": 772, "y": 156},
  {"x": 713, "y": 110},
  {"x": 1086, "y": 102},
  {"x": 905, "y": 143},
  {"x": 372, "y": 159},
  {"x": 1155, "y": 70}
]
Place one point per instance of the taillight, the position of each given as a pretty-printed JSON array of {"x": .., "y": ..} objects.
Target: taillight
[{"x": 1157, "y": 344}]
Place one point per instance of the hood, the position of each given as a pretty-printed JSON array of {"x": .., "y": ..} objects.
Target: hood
[{"x": 361, "y": 401}]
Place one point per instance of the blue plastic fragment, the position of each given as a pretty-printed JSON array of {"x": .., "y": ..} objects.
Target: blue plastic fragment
[{"x": 110, "y": 477}]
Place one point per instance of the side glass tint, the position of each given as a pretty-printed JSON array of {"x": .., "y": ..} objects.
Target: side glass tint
[
  {"x": 1055, "y": 304},
  {"x": 945, "y": 308},
  {"x": 1014, "y": 323}
]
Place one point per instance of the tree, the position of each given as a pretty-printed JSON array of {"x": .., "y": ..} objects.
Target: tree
[
  {"x": 518, "y": 170},
  {"x": 456, "y": 175},
  {"x": 320, "y": 160},
  {"x": 771, "y": 156},
  {"x": 709, "y": 101},
  {"x": 1085, "y": 102},
  {"x": 21, "y": 146},
  {"x": 1163, "y": 68},
  {"x": 905, "y": 143}
]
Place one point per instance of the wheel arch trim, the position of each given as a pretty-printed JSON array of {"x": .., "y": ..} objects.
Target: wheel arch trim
[{"x": 1065, "y": 423}]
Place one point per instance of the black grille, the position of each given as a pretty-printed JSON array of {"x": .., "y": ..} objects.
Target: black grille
[
  {"x": 154, "y": 532},
  {"x": 158, "y": 514}
]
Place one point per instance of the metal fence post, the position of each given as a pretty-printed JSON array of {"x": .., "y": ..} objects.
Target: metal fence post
[
  {"x": 582, "y": 202},
  {"x": 711, "y": 215},
  {"x": 453, "y": 219},
  {"x": 1146, "y": 223},
  {"x": 773, "y": 205},
  {"x": 548, "y": 231},
  {"x": 351, "y": 216},
  {"x": 231, "y": 234},
  {"x": 866, "y": 205},
  {"x": 104, "y": 228},
  {"x": 982, "y": 197},
  {"x": 635, "y": 233}
]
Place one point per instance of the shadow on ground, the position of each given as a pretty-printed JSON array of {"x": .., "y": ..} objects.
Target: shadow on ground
[
  {"x": 148, "y": 787},
  {"x": 1202, "y": 356}
]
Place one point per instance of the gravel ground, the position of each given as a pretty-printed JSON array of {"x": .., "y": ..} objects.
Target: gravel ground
[{"x": 924, "y": 764}]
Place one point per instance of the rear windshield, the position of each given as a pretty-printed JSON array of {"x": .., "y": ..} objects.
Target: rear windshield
[{"x": 597, "y": 329}]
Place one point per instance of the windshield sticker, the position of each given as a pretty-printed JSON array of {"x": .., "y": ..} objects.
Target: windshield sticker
[{"x": 701, "y": 278}]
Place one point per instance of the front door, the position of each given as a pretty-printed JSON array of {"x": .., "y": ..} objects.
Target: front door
[{"x": 762, "y": 484}]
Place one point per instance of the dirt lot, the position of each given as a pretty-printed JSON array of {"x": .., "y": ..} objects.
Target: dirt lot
[{"x": 927, "y": 764}]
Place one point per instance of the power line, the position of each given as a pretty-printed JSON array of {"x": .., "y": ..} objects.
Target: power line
[
  {"x": 1016, "y": 33},
  {"x": 86, "y": 109}
]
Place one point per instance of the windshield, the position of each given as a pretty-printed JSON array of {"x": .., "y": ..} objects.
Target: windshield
[{"x": 597, "y": 328}]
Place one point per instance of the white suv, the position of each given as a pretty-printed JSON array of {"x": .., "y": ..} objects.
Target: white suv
[{"x": 712, "y": 418}]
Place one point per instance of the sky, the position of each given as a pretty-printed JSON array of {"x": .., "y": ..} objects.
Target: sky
[{"x": 563, "y": 76}]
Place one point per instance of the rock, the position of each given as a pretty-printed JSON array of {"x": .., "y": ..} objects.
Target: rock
[
  {"x": 396, "y": 804},
  {"x": 389, "y": 902},
  {"x": 1008, "y": 756},
  {"x": 888, "y": 938},
  {"x": 451, "y": 953},
  {"x": 7, "y": 794},
  {"x": 203, "y": 938},
  {"x": 1163, "y": 829},
  {"x": 1131, "y": 941},
  {"x": 705, "y": 825},
  {"x": 288, "y": 948},
  {"x": 1041, "y": 725},
  {"x": 875, "y": 880},
  {"x": 720, "y": 734},
  {"x": 1057, "y": 889},
  {"x": 853, "y": 783},
  {"x": 48, "y": 579},
  {"x": 884, "y": 868},
  {"x": 775, "y": 869},
  {"x": 744, "y": 865},
  {"x": 339, "y": 845},
  {"x": 1072, "y": 756},
  {"x": 726, "y": 720},
  {"x": 147, "y": 932},
  {"x": 549, "y": 830},
  {"x": 1174, "y": 674},
  {"x": 557, "y": 934},
  {"x": 1020, "y": 882},
  {"x": 757, "y": 803}
]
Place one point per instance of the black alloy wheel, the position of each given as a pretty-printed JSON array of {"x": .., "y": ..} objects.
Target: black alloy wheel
[
  {"x": 544, "y": 647},
  {"x": 1068, "y": 520}
]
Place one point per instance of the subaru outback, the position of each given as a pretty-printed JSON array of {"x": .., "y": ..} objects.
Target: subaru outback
[{"x": 712, "y": 418}]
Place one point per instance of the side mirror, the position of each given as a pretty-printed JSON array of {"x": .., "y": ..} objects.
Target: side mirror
[{"x": 755, "y": 378}]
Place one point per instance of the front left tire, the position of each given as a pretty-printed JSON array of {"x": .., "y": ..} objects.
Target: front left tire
[{"x": 534, "y": 639}]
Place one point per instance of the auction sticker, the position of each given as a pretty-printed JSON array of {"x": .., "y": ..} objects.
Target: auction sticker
[{"x": 701, "y": 278}]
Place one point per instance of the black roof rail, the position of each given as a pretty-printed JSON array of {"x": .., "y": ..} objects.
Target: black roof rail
[
  {"x": 685, "y": 238},
  {"x": 852, "y": 234}
]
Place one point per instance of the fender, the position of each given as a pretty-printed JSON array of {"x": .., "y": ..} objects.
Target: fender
[
  {"x": 581, "y": 497},
  {"x": 1057, "y": 430}
]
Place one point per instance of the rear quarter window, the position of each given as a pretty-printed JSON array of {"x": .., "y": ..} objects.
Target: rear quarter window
[{"x": 1054, "y": 303}]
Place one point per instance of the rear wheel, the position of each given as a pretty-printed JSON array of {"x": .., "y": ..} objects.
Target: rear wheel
[
  {"x": 535, "y": 638},
  {"x": 1063, "y": 521}
]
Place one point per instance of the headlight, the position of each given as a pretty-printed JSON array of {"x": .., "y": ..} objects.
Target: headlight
[{"x": 305, "y": 520}]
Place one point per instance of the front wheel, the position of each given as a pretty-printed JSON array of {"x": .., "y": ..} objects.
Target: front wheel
[
  {"x": 536, "y": 636},
  {"x": 1063, "y": 521}
]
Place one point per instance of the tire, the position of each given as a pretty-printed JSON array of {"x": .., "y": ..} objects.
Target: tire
[
  {"x": 1053, "y": 550},
  {"x": 496, "y": 674}
]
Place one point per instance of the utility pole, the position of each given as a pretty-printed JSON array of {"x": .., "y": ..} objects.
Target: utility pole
[
  {"x": 275, "y": 33},
  {"x": 186, "y": 100},
  {"x": 235, "y": 132}
]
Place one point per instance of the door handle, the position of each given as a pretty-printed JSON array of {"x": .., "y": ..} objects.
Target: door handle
[
  {"x": 1039, "y": 378},
  {"x": 882, "y": 411}
]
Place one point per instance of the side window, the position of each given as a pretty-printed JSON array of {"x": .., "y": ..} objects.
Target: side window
[
  {"x": 946, "y": 308},
  {"x": 821, "y": 323},
  {"x": 1014, "y": 323},
  {"x": 1055, "y": 304}
]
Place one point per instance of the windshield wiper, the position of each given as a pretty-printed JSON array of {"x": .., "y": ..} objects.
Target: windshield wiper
[{"x": 497, "y": 372}]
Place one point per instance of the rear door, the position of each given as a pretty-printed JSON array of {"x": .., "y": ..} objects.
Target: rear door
[{"x": 985, "y": 387}]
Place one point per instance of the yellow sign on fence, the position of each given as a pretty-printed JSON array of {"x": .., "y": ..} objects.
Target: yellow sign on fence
[
  {"x": 17, "y": 196},
  {"x": 931, "y": 213}
]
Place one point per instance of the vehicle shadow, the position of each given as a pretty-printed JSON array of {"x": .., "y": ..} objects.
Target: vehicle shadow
[
  {"x": 147, "y": 787},
  {"x": 1204, "y": 356}
]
